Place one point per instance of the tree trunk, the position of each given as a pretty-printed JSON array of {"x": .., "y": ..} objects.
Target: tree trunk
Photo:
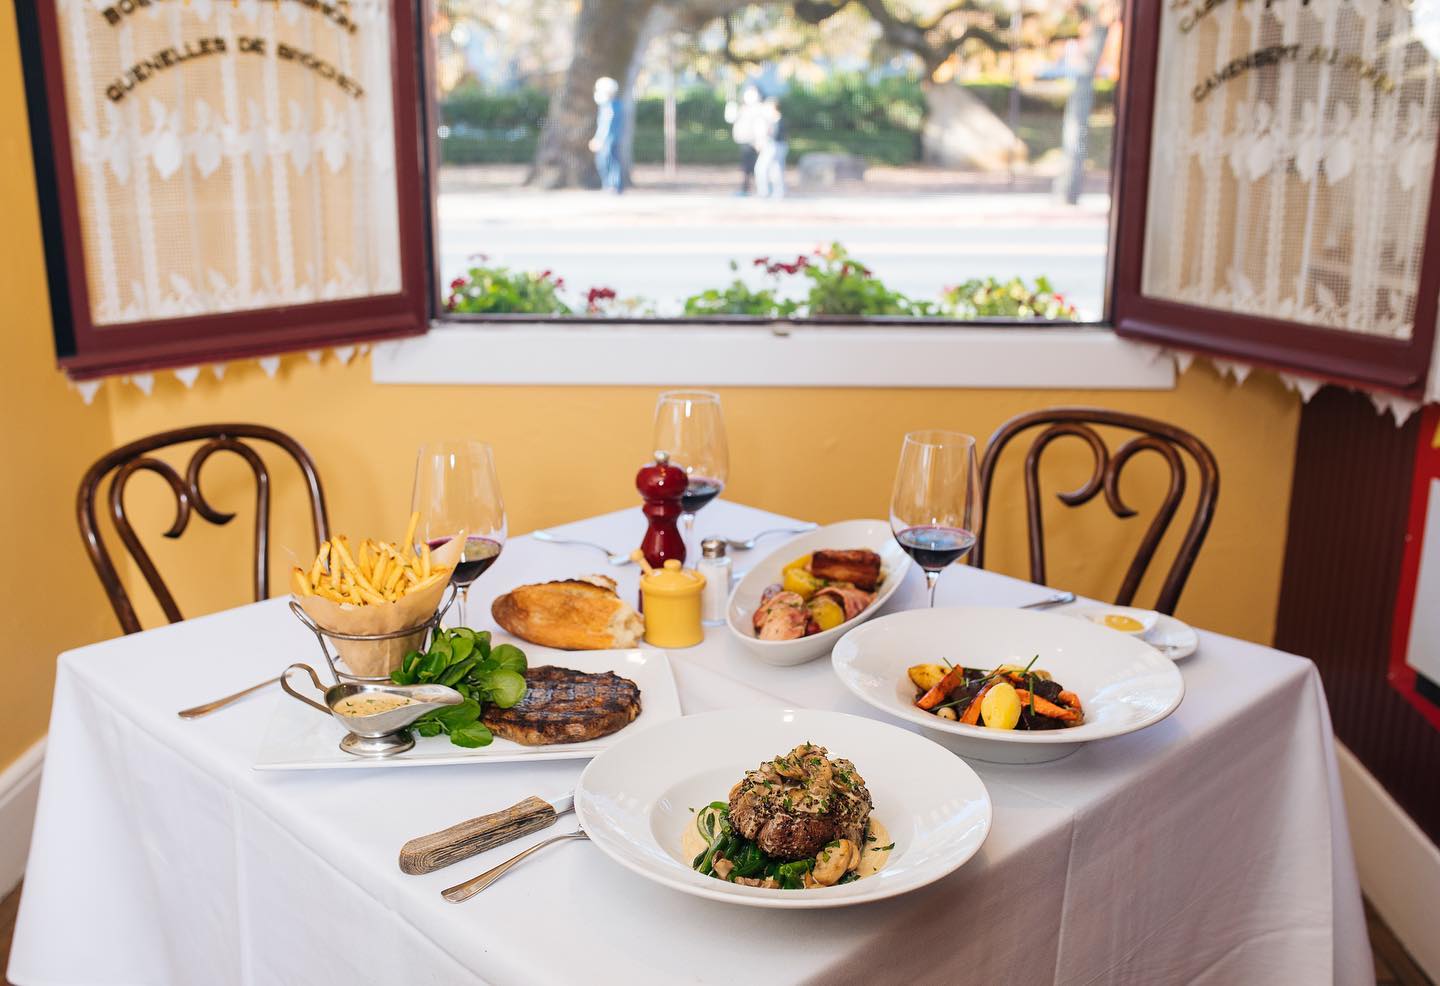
[
  {"x": 1075, "y": 132},
  {"x": 607, "y": 33}
]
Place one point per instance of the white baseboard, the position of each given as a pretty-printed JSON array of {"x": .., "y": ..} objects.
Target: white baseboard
[
  {"x": 19, "y": 790},
  {"x": 1399, "y": 867}
]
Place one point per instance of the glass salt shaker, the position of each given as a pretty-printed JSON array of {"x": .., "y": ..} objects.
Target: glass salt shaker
[{"x": 715, "y": 566}]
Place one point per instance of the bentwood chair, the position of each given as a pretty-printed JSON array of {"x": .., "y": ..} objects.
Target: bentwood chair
[
  {"x": 1163, "y": 439},
  {"x": 126, "y": 461}
]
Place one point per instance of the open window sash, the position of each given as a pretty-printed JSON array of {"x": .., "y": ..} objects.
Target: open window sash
[{"x": 222, "y": 180}]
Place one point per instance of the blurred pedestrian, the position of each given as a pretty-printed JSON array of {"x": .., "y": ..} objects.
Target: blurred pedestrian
[
  {"x": 771, "y": 151},
  {"x": 745, "y": 124},
  {"x": 606, "y": 143}
]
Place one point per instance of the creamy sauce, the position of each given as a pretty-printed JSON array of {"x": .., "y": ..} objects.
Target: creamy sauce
[
  {"x": 873, "y": 855},
  {"x": 370, "y": 703}
]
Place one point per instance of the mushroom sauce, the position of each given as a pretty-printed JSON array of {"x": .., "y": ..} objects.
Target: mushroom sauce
[{"x": 370, "y": 703}]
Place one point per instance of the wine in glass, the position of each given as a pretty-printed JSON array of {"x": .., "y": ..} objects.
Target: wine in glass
[
  {"x": 935, "y": 506},
  {"x": 456, "y": 489},
  {"x": 690, "y": 427}
]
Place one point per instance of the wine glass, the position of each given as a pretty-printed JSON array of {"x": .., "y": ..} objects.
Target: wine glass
[
  {"x": 456, "y": 489},
  {"x": 691, "y": 429},
  {"x": 935, "y": 506}
]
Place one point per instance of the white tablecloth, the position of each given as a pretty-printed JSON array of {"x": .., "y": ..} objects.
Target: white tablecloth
[{"x": 1211, "y": 848}]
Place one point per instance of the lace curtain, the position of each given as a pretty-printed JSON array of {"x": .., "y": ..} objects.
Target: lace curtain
[
  {"x": 230, "y": 155},
  {"x": 1291, "y": 159}
]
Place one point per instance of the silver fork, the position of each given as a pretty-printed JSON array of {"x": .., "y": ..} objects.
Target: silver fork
[
  {"x": 472, "y": 886},
  {"x": 746, "y": 544},
  {"x": 614, "y": 558}
]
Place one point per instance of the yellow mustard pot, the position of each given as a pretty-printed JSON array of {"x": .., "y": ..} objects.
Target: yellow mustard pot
[{"x": 672, "y": 604}]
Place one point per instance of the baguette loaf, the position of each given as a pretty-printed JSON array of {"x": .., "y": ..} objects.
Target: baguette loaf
[{"x": 575, "y": 614}]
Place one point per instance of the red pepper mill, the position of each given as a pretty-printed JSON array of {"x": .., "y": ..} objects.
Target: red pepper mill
[{"x": 661, "y": 485}]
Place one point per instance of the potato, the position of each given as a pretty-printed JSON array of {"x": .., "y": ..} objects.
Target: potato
[
  {"x": 926, "y": 676},
  {"x": 827, "y": 613},
  {"x": 1000, "y": 708},
  {"x": 799, "y": 581},
  {"x": 802, "y": 562}
]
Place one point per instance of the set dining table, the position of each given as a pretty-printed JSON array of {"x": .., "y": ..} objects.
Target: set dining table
[{"x": 1209, "y": 848}]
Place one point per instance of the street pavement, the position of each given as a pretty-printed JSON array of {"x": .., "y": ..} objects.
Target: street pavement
[{"x": 663, "y": 244}]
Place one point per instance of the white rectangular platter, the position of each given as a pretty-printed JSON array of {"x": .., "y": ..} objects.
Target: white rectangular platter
[{"x": 300, "y": 738}]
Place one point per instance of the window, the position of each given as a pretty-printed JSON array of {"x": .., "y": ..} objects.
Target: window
[
  {"x": 222, "y": 179},
  {"x": 913, "y": 160},
  {"x": 1280, "y": 195}
]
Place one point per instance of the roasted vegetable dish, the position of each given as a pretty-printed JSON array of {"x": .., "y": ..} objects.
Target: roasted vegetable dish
[
  {"x": 818, "y": 592},
  {"x": 1008, "y": 697},
  {"x": 798, "y": 821}
]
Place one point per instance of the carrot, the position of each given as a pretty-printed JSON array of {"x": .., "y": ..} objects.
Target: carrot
[
  {"x": 1046, "y": 707},
  {"x": 972, "y": 713},
  {"x": 942, "y": 689},
  {"x": 1071, "y": 699}
]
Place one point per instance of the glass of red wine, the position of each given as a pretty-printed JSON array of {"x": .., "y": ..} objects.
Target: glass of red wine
[
  {"x": 690, "y": 427},
  {"x": 935, "y": 506},
  {"x": 456, "y": 489}
]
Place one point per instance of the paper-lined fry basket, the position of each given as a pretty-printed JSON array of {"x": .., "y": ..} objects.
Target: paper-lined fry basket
[{"x": 371, "y": 640}]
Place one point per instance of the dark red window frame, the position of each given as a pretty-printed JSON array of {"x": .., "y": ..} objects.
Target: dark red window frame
[
  {"x": 1347, "y": 358},
  {"x": 86, "y": 350}
]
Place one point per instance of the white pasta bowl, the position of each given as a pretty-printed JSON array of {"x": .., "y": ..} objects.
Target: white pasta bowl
[
  {"x": 636, "y": 799},
  {"x": 848, "y": 534},
  {"x": 1122, "y": 682}
]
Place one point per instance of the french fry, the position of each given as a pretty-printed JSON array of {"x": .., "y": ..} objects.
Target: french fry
[
  {"x": 425, "y": 562},
  {"x": 318, "y": 569},
  {"x": 408, "y": 541},
  {"x": 300, "y": 582}
]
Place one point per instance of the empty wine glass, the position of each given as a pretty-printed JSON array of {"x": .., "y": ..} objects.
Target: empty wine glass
[
  {"x": 935, "y": 506},
  {"x": 690, "y": 427},
  {"x": 456, "y": 489}
]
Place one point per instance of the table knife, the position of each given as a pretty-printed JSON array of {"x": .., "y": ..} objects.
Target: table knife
[{"x": 437, "y": 850}]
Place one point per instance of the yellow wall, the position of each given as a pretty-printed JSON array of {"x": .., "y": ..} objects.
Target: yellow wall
[
  {"x": 49, "y": 600},
  {"x": 563, "y": 453}
]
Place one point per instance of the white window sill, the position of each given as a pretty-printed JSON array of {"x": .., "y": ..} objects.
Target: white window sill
[{"x": 759, "y": 356}]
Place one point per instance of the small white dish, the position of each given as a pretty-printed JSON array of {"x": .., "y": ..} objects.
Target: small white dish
[
  {"x": 1123, "y": 683},
  {"x": 298, "y": 738},
  {"x": 1173, "y": 638},
  {"x": 634, "y": 800},
  {"x": 1121, "y": 619},
  {"x": 745, "y": 597}
]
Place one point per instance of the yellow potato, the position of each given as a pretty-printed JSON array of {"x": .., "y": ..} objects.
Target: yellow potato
[
  {"x": 802, "y": 562},
  {"x": 926, "y": 676},
  {"x": 1000, "y": 708},
  {"x": 827, "y": 613},
  {"x": 800, "y": 581}
]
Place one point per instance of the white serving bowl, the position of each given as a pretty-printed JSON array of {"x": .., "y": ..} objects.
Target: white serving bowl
[
  {"x": 745, "y": 597},
  {"x": 1123, "y": 683},
  {"x": 635, "y": 800}
]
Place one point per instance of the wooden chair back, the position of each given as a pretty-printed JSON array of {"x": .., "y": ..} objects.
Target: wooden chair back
[
  {"x": 127, "y": 460},
  {"x": 1163, "y": 439}
]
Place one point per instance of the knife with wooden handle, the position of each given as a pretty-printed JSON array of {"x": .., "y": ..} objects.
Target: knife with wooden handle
[{"x": 437, "y": 850}]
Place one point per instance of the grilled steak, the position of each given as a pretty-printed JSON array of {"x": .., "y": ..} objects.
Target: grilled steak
[
  {"x": 793, "y": 805},
  {"x": 565, "y": 706}
]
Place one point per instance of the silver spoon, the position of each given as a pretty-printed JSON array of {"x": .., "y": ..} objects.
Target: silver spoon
[
  {"x": 747, "y": 543},
  {"x": 615, "y": 559},
  {"x": 464, "y": 891}
]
